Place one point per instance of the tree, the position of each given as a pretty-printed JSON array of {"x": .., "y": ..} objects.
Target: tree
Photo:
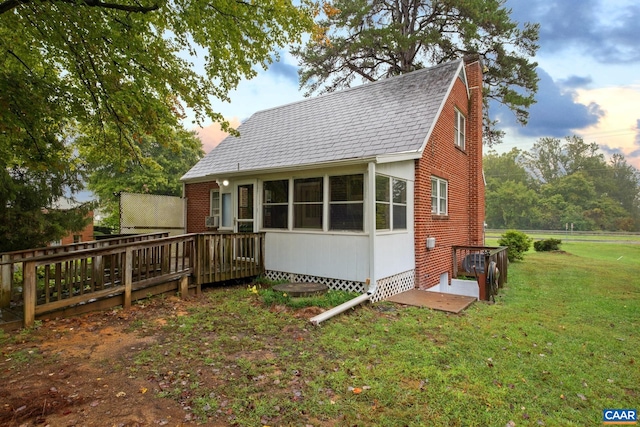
[
  {"x": 117, "y": 71},
  {"x": 366, "y": 40},
  {"x": 153, "y": 165},
  {"x": 553, "y": 158}
]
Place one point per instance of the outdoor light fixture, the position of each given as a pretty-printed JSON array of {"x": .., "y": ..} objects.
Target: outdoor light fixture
[{"x": 222, "y": 183}]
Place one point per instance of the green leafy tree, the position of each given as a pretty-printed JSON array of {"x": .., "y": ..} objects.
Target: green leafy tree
[
  {"x": 366, "y": 40},
  {"x": 116, "y": 71},
  {"x": 510, "y": 205},
  {"x": 154, "y": 165}
]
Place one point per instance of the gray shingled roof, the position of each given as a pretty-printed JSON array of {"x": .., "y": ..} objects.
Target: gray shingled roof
[{"x": 390, "y": 116}]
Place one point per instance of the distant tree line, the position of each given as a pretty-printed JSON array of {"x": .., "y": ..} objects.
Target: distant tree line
[{"x": 561, "y": 182}]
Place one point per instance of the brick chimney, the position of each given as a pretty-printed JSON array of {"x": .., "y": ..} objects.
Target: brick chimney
[{"x": 473, "y": 69}]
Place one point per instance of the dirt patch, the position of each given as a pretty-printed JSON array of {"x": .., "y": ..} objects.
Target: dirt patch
[{"x": 71, "y": 372}]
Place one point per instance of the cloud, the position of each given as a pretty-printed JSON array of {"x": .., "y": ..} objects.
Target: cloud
[
  {"x": 212, "y": 135},
  {"x": 574, "y": 82},
  {"x": 606, "y": 30},
  {"x": 556, "y": 112},
  {"x": 283, "y": 69},
  {"x": 619, "y": 130}
]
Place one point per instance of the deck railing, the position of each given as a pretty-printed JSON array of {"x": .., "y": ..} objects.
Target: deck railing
[
  {"x": 10, "y": 262},
  {"x": 476, "y": 261},
  {"x": 127, "y": 271}
]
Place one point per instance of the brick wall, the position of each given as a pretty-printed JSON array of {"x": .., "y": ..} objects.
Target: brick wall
[
  {"x": 463, "y": 224},
  {"x": 198, "y": 205}
]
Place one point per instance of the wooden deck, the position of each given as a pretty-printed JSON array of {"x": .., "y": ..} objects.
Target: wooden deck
[
  {"x": 435, "y": 300},
  {"x": 73, "y": 279}
]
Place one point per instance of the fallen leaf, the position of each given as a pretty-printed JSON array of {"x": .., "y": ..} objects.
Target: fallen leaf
[
  {"x": 143, "y": 390},
  {"x": 357, "y": 390},
  {"x": 121, "y": 394},
  {"x": 582, "y": 396},
  {"x": 562, "y": 396}
]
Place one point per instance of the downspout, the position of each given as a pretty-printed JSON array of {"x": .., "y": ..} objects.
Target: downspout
[{"x": 370, "y": 287}]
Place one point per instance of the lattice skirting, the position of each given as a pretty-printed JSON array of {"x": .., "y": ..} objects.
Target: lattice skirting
[
  {"x": 393, "y": 285},
  {"x": 336, "y": 284}
]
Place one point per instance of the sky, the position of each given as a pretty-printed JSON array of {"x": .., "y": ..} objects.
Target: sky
[{"x": 588, "y": 66}]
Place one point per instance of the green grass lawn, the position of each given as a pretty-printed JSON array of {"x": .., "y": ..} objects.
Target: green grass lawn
[{"x": 561, "y": 344}]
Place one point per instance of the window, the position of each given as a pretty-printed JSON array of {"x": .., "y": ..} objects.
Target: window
[
  {"x": 346, "y": 202},
  {"x": 307, "y": 203},
  {"x": 399, "y": 204},
  {"x": 77, "y": 238},
  {"x": 391, "y": 203},
  {"x": 215, "y": 203},
  {"x": 383, "y": 203},
  {"x": 459, "y": 127},
  {"x": 438, "y": 196},
  {"x": 275, "y": 206}
]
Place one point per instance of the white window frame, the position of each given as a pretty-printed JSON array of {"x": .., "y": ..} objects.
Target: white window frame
[
  {"x": 438, "y": 197},
  {"x": 390, "y": 202},
  {"x": 346, "y": 202},
  {"x": 459, "y": 129},
  {"x": 215, "y": 211},
  {"x": 267, "y": 203}
]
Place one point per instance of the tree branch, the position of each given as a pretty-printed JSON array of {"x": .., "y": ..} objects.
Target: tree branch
[{"x": 8, "y": 5}]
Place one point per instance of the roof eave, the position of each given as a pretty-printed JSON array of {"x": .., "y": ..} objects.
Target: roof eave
[{"x": 283, "y": 169}]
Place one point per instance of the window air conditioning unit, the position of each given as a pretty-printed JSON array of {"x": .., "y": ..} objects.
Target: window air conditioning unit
[{"x": 212, "y": 221}]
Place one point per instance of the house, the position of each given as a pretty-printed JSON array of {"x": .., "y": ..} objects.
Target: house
[
  {"x": 372, "y": 184},
  {"x": 84, "y": 235}
]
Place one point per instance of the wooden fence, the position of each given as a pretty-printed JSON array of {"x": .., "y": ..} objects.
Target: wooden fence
[{"x": 117, "y": 274}]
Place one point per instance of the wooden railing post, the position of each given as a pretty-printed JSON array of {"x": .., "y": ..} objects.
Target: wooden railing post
[
  {"x": 29, "y": 293},
  {"x": 128, "y": 277},
  {"x": 6, "y": 279}
]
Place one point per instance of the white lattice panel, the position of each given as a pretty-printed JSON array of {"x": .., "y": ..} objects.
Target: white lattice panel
[
  {"x": 336, "y": 284},
  {"x": 394, "y": 285}
]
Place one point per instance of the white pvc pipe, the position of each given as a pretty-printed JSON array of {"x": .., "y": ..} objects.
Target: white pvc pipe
[{"x": 339, "y": 309}]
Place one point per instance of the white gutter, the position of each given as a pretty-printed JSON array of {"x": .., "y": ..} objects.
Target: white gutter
[{"x": 370, "y": 287}]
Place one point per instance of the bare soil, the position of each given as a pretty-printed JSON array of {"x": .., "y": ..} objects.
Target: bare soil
[{"x": 69, "y": 372}]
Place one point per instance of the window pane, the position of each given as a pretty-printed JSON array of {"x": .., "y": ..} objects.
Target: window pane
[
  {"x": 275, "y": 216},
  {"x": 434, "y": 204},
  {"x": 399, "y": 217},
  {"x": 382, "y": 188},
  {"x": 276, "y": 191},
  {"x": 307, "y": 190},
  {"x": 307, "y": 216},
  {"x": 346, "y": 188},
  {"x": 399, "y": 191},
  {"x": 226, "y": 210},
  {"x": 346, "y": 216},
  {"x": 245, "y": 201},
  {"x": 382, "y": 216}
]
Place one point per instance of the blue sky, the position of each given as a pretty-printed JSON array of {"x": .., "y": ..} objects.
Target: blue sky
[{"x": 588, "y": 65}]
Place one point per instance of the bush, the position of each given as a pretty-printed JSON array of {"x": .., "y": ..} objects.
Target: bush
[
  {"x": 547, "y": 245},
  {"x": 518, "y": 244}
]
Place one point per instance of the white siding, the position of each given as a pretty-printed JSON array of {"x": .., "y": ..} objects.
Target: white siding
[
  {"x": 394, "y": 251},
  {"x": 336, "y": 256}
]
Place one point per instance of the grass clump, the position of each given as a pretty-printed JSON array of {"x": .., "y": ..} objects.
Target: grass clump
[{"x": 330, "y": 299}]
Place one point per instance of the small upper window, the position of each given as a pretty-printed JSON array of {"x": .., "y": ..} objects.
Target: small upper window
[
  {"x": 459, "y": 128},
  {"x": 438, "y": 196}
]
